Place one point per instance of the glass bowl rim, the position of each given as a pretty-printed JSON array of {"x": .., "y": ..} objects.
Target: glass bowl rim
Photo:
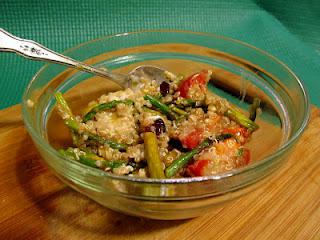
[{"x": 238, "y": 171}]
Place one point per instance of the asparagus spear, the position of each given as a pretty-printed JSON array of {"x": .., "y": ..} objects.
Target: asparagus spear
[
  {"x": 73, "y": 125},
  {"x": 161, "y": 106},
  {"x": 66, "y": 113},
  {"x": 185, "y": 158},
  {"x": 105, "y": 106},
  {"x": 68, "y": 153},
  {"x": 180, "y": 162},
  {"x": 101, "y": 140},
  {"x": 238, "y": 117},
  {"x": 95, "y": 161},
  {"x": 178, "y": 111},
  {"x": 171, "y": 112},
  {"x": 84, "y": 157},
  {"x": 253, "y": 108},
  {"x": 67, "y": 116},
  {"x": 63, "y": 107},
  {"x": 90, "y": 159},
  {"x": 186, "y": 102},
  {"x": 152, "y": 155}
]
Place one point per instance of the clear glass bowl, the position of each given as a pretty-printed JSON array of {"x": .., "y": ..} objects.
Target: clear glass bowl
[{"x": 241, "y": 72}]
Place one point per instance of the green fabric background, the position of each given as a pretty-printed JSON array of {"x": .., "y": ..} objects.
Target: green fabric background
[{"x": 290, "y": 30}]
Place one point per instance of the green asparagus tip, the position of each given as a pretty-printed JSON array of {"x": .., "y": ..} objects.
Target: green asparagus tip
[{"x": 241, "y": 119}]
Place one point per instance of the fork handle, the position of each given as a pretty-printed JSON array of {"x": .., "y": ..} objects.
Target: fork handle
[{"x": 33, "y": 50}]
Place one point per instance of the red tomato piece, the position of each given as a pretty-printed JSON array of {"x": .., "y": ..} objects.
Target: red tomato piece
[
  {"x": 193, "y": 139},
  {"x": 246, "y": 156},
  {"x": 200, "y": 78},
  {"x": 196, "y": 169}
]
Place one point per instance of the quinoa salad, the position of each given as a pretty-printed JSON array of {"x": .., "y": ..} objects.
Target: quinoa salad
[{"x": 169, "y": 130}]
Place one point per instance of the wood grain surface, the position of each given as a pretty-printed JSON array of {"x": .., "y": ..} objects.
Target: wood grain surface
[{"x": 36, "y": 205}]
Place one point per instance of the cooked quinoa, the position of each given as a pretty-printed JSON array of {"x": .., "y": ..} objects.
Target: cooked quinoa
[{"x": 173, "y": 129}]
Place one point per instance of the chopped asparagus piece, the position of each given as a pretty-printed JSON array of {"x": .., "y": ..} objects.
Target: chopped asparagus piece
[
  {"x": 172, "y": 112},
  {"x": 152, "y": 155},
  {"x": 112, "y": 144},
  {"x": 105, "y": 106},
  {"x": 238, "y": 117},
  {"x": 178, "y": 111},
  {"x": 90, "y": 159},
  {"x": 161, "y": 106}
]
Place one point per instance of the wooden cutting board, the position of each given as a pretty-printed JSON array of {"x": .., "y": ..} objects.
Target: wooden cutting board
[{"x": 36, "y": 205}]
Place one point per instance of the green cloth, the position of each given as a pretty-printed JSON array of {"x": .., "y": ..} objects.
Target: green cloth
[{"x": 290, "y": 30}]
